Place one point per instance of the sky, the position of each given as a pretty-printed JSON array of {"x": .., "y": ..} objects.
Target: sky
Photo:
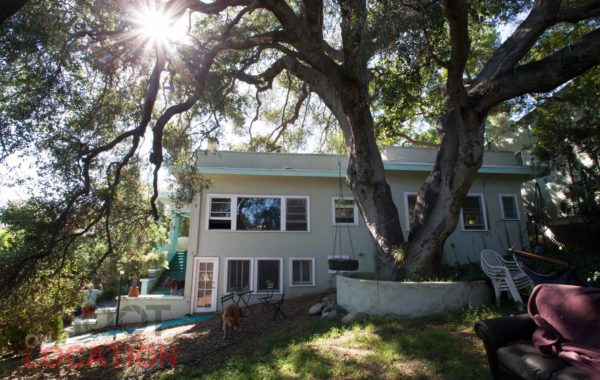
[{"x": 17, "y": 167}]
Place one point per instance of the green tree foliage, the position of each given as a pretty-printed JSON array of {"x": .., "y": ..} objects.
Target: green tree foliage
[
  {"x": 566, "y": 130},
  {"x": 86, "y": 252},
  {"x": 84, "y": 84}
]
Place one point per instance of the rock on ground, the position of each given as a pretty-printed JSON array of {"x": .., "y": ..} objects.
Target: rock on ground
[
  {"x": 354, "y": 317},
  {"x": 329, "y": 314},
  {"x": 315, "y": 309}
]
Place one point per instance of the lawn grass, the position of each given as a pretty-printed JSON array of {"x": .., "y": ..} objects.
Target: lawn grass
[{"x": 443, "y": 347}]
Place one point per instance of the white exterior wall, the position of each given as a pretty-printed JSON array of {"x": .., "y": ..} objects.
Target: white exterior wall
[
  {"x": 464, "y": 246},
  {"x": 317, "y": 243},
  {"x": 461, "y": 246}
]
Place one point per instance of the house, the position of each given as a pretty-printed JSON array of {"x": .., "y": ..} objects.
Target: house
[
  {"x": 278, "y": 217},
  {"x": 275, "y": 217}
]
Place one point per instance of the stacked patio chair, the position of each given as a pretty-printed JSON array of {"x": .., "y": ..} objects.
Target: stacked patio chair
[{"x": 505, "y": 275}]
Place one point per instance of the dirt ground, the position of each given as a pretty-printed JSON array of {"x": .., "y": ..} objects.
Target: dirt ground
[{"x": 140, "y": 356}]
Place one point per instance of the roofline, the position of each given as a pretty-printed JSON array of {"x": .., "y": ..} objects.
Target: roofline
[{"x": 389, "y": 166}]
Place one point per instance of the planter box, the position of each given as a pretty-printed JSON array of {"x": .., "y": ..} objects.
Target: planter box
[{"x": 409, "y": 299}]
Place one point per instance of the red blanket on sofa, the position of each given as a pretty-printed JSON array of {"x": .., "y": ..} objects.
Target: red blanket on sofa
[{"x": 568, "y": 320}]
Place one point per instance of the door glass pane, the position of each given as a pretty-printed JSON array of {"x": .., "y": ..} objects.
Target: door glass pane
[{"x": 205, "y": 285}]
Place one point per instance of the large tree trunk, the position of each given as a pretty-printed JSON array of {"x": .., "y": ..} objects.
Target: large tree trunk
[
  {"x": 366, "y": 175},
  {"x": 440, "y": 200},
  {"x": 366, "y": 178}
]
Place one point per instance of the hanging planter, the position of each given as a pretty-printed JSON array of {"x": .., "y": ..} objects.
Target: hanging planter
[{"x": 343, "y": 264}]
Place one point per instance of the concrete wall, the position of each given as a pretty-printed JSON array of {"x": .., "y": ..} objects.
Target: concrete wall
[
  {"x": 409, "y": 299},
  {"x": 135, "y": 310}
]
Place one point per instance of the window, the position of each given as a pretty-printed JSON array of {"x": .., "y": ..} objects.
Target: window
[
  {"x": 508, "y": 203},
  {"x": 268, "y": 270},
  {"x": 258, "y": 213},
  {"x": 296, "y": 216},
  {"x": 302, "y": 271},
  {"x": 345, "y": 211},
  {"x": 410, "y": 200},
  {"x": 473, "y": 214},
  {"x": 238, "y": 274},
  {"x": 220, "y": 214}
]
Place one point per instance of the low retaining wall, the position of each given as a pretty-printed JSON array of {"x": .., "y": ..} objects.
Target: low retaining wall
[
  {"x": 409, "y": 299},
  {"x": 134, "y": 310}
]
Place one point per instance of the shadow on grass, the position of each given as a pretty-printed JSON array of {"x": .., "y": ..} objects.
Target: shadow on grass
[{"x": 443, "y": 347}]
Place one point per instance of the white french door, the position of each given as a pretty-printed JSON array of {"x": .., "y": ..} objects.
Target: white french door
[{"x": 206, "y": 273}]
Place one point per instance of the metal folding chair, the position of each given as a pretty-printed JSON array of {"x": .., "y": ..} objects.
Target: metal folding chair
[
  {"x": 266, "y": 300},
  {"x": 276, "y": 305},
  {"x": 225, "y": 298},
  {"x": 244, "y": 297}
]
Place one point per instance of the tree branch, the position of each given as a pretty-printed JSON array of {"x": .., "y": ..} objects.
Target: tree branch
[
  {"x": 215, "y": 6},
  {"x": 156, "y": 156},
  {"x": 584, "y": 12},
  {"x": 543, "y": 75},
  {"x": 544, "y": 14},
  {"x": 295, "y": 115},
  {"x": 412, "y": 141},
  {"x": 455, "y": 12}
]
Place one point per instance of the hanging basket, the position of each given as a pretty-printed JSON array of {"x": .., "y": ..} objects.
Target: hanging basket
[{"x": 343, "y": 264}]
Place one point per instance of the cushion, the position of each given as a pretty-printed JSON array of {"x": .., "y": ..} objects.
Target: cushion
[
  {"x": 571, "y": 373},
  {"x": 525, "y": 360}
]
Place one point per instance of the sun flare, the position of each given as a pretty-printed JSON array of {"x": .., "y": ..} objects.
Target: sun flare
[{"x": 157, "y": 25}]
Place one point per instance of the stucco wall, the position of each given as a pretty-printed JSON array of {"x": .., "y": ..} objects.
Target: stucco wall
[
  {"x": 464, "y": 246},
  {"x": 317, "y": 243},
  {"x": 409, "y": 299},
  {"x": 461, "y": 246}
]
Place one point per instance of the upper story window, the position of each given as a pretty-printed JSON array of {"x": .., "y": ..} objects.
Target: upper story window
[
  {"x": 296, "y": 214},
  {"x": 473, "y": 213},
  {"x": 508, "y": 204},
  {"x": 345, "y": 211},
  {"x": 220, "y": 214},
  {"x": 258, "y": 213}
]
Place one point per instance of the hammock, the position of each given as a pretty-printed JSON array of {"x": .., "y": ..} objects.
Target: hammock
[{"x": 564, "y": 276}]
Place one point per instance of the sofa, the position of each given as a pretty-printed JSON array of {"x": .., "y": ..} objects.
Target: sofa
[{"x": 512, "y": 355}]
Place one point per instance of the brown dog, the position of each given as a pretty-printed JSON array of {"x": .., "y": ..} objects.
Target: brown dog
[
  {"x": 231, "y": 319},
  {"x": 174, "y": 285}
]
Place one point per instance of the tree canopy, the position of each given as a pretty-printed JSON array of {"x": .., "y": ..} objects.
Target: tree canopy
[{"x": 86, "y": 83}]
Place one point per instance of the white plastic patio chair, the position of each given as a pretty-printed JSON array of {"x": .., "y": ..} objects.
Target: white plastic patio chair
[{"x": 505, "y": 275}]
